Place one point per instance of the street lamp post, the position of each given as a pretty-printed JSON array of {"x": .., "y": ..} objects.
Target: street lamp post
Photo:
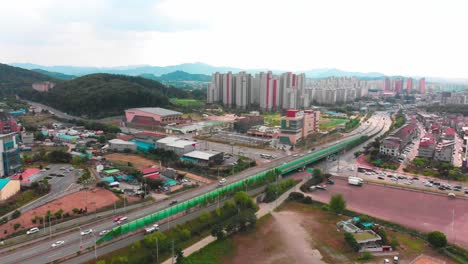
[
  {"x": 95, "y": 246},
  {"x": 81, "y": 238}
]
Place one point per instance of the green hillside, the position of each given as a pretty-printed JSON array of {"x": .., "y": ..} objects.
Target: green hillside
[
  {"x": 14, "y": 78},
  {"x": 56, "y": 75},
  {"x": 101, "y": 95}
]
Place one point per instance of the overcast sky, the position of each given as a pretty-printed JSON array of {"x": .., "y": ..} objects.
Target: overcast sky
[{"x": 410, "y": 37}]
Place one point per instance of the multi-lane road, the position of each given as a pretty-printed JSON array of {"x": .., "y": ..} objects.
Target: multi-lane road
[{"x": 41, "y": 252}]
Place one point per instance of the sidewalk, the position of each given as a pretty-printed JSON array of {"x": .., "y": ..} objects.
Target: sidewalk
[{"x": 265, "y": 208}]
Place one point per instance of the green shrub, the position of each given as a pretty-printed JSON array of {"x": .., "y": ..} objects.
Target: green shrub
[
  {"x": 16, "y": 214},
  {"x": 296, "y": 196},
  {"x": 366, "y": 256},
  {"x": 349, "y": 238},
  {"x": 437, "y": 239},
  {"x": 307, "y": 200},
  {"x": 16, "y": 226}
]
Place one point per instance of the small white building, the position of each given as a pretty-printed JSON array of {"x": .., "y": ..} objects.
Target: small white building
[
  {"x": 162, "y": 143},
  {"x": 180, "y": 147},
  {"x": 121, "y": 145}
]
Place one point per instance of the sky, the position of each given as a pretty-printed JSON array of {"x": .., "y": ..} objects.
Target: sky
[{"x": 407, "y": 37}]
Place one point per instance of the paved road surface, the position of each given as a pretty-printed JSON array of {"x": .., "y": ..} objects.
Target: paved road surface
[
  {"x": 42, "y": 250},
  {"x": 421, "y": 211}
]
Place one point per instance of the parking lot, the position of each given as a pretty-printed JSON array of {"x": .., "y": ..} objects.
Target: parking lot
[
  {"x": 416, "y": 181},
  {"x": 62, "y": 181}
]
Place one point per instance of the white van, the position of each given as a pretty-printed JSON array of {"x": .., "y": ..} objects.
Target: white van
[{"x": 32, "y": 231}]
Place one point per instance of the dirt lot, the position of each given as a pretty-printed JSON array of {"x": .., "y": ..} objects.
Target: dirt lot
[
  {"x": 96, "y": 198},
  {"x": 422, "y": 211},
  {"x": 137, "y": 161},
  {"x": 299, "y": 233}
]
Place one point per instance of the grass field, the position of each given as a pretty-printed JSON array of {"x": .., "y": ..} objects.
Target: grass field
[
  {"x": 214, "y": 253},
  {"x": 326, "y": 124},
  {"x": 188, "y": 102},
  {"x": 272, "y": 119}
]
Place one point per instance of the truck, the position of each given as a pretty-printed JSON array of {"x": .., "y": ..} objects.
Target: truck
[{"x": 355, "y": 181}]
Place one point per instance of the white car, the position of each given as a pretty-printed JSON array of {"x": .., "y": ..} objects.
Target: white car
[
  {"x": 58, "y": 243},
  {"x": 295, "y": 155},
  {"x": 103, "y": 232},
  {"x": 156, "y": 226},
  {"x": 32, "y": 231},
  {"x": 86, "y": 232}
]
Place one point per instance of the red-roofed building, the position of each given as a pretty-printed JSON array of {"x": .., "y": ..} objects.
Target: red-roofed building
[
  {"x": 427, "y": 146},
  {"x": 28, "y": 176},
  {"x": 150, "y": 173},
  {"x": 449, "y": 133},
  {"x": 146, "y": 171},
  {"x": 124, "y": 137}
]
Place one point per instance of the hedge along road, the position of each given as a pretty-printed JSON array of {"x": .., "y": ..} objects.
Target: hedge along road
[{"x": 424, "y": 212}]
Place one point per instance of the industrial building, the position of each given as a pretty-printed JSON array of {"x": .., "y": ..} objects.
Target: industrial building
[
  {"x": 180, "y": 147},
  {"x": 204, "y": 158},
  {"x": 121, "y": 145},
  {"x": 152, "y": 116},
  {"x": 8, "y": 188}
]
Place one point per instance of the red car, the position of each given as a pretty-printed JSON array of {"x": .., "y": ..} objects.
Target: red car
[{"x": 118, "y": 218}]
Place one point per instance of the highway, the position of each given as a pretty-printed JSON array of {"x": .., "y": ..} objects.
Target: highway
[{"x": 41, "y": 252}]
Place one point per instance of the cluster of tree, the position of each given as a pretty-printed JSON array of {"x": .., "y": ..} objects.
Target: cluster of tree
[
  {"x": 273, "y": 191},
  {"x": 351, "y": 241},
  {"x": 13, "y": 79},
  {"x": 460, "y": 109},
  {"x": 101, "y": 95},
  {"x": 59, "y": 156},
  {"x": 352, "y": 124},
  {"x": 399, "y": 120},
  {"x": 317, "y": 178},
  {"x": 234, "y": 216}
]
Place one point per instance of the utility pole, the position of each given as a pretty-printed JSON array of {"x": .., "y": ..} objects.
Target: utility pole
[
  {"x": 157, "y": 251},
  {"x": 172, "y": 251},
  {"x": 50, "y": 229}
]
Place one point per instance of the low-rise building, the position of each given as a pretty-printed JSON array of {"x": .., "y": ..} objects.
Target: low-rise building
[
  {"x": 8, "y": 188},
  {"x": 449, "y": 133},
  {"x": 121, "y": 145},
  {"x": 28, "y": 176},
  {"x": 390, "y": 146},
  {"x": 180, "y": 147},
  {"x": 161, "y": 143},
  {"x": 204, "y": 158},
  {"x": 297, "y": 125},
  {"x": 27, "y": 138},
  {"x": 152, "y": 116},
  {"x": 66, "y": 138},
  {"x": 444, "y": 151},
  {"x": 427, "y": 146},
  {"x": 263, "y": 131}
]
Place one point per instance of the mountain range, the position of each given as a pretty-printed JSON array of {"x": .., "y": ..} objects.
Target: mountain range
[{"x": 192, "y": 68}]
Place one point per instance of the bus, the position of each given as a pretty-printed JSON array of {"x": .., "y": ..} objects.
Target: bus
[{"x": 266, "y": 156}]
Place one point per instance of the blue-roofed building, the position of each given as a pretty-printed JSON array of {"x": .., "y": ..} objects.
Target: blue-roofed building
[
  {"x": 109, "y": 179},
  {"x": 144, "y": 146},
  {"x": 66, "y": 138}
]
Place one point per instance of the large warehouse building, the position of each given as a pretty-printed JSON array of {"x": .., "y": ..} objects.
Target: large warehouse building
[{"x": 152, "y": 116}]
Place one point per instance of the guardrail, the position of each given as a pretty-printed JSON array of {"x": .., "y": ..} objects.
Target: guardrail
[{"x": 238, "y": 185}]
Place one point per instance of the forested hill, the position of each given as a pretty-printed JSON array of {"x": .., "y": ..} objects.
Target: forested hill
[
  {"x": 101, "y": 95},
  {"x": 14, "y": 78}
]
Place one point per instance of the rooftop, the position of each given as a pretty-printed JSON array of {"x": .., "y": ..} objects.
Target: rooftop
[
  {"x": 450, "y": 131},
  {"x": 181, "y": 143},
  {"x": 26, "y": 174},
  {"x": 4, "y": 182},
  {"x": 120, "y": 141},
  {"x": 157, "y": 111},
  {"x": 203, "y": 155},
  {"x": 149, "y": 170},
  {"x": 366, "y": 235},
  {"x": 167, "y": 140}
]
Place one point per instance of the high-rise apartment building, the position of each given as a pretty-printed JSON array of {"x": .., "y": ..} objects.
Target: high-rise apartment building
[
  {"x": 409, "y": 85},
  {"x": 271, "y": 92},
  {"x": 422, "y": 86}
]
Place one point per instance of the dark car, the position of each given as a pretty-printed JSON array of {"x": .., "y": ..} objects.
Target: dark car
[
  {"x": 173, "y": 202},
  {"x": 381, "y": 178},
  {"x": 60, "y": 175},
  {"x": 441, "y": 188},
  {"x": 415, "y": 179},
  {"x": 436, "y": 183},
  {"x": 457, "y": 187}
]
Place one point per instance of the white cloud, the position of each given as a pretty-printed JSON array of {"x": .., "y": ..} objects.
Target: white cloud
[{"x": 394, "y": 37}]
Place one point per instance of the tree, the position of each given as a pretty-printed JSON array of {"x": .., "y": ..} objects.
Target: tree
[
  {"x": 59, "y": 156},
  {"x": 102, "y": 139},
  {"x": 180, "y": 256},
  {"x": 349, "y": 238},
  {"x": 15, "y": 214},
  {"x": 39, "y": 136},
  {"x": 244, "y": 201},
  {"x": 218, "y": 232},
  {"x": 437, "y": 239},
  {"x": 337, "y": 203}
]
